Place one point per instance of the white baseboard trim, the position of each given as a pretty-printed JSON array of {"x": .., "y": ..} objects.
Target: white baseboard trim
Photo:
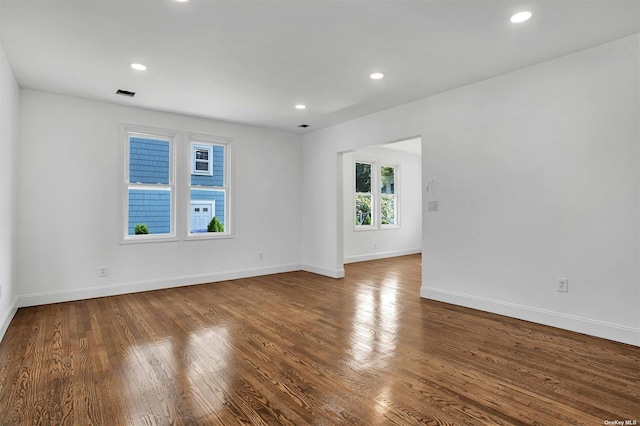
[
  {"x": 7, "y": 317},
  {"x": 382, "y": 255},
  {"x": 44, "y": 298},
  {"x": 618, "y": 333},
  {"x": 331, "y": 273}
]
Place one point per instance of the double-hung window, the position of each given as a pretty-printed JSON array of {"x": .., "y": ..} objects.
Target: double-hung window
[
  {"x": 209, "y": 201},
  {"x": 149, "y": 185},
  {"x": 151, "y": 193},
  {"x": 376, "y": 195}
]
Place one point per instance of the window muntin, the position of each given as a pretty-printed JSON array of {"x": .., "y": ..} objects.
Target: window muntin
[
  {"x": 211, "y": 189},
  {"x": 364, "y": 198},
  {"x": 149, "y": 181}
]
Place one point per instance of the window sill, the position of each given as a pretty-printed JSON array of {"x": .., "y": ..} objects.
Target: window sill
[
  {"x": 365, "y": 228},
  {"x": 208, "y": 236},
  {"x": 375, "y": 228},
  {"x": 148, "y": 239}
]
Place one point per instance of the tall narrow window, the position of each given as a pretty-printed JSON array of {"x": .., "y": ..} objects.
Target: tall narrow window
[
  {"x": 209, "y": 187},
  {"x": 364, "y": 197},
  {"x": 149, "y": 181},
  {"x": 388, "y": 197}
]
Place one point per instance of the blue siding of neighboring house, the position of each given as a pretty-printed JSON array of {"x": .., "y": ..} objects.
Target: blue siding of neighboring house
[
  {"x": 151, "y": 207},
  {"x": 148, "y": 161}
]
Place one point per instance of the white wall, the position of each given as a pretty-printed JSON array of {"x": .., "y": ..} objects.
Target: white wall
[
  {"x": 388, "y": 242},
  {"x": 537, "y": 175},
  {"x": 9, "y": 93},
  {"x": 70, "y": 182}
]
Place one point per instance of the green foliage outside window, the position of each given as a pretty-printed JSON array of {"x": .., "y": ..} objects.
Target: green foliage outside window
[
  {"x": 363, "y": 177},
  {"x": 388, "y": 210},
  {"x": 363, "y": 209},
  {"x": 215, "y": 225},
  {"x": 141, "y": 229}
]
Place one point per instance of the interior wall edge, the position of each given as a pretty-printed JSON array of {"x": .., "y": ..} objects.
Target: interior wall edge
[
  {"x": 331, "y": 273},
  {"x": 8, "y": 316}
]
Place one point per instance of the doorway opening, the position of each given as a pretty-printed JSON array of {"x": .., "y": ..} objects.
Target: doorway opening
[{"x": 381, "y": 199}]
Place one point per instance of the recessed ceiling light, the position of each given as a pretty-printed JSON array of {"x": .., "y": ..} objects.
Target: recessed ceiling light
[
  {"x": 301, "y": 106},
  {"x": 139, "y": 67},
  {"x": 521, "y": 17},
  {"x": 182, "y": 1},
  {"x": 376, "y": 76}
]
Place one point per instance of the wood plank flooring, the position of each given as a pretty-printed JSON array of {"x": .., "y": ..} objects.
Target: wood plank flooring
[{"x": 298, "y": 349}]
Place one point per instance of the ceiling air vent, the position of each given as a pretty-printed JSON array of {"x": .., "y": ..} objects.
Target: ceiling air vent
[
  {"x": 304, "y": 126},
  {"x": 125, "y": 93}
]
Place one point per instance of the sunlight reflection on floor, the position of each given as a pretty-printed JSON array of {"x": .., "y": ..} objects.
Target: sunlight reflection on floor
[{"x": 375, "y": 309}]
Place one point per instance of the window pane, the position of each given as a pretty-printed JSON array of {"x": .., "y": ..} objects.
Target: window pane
[
  {"x": 388, "y": 209},
  {"x": 149, "y": 207},
  {"x": 387, "y": 180},
  {"x": 202, "y": 154},
  {"x": 363, "y": 209},
  {"x": 217, "y": 177},
  {"x": 210, "y": 204},
  {"x": 363, "y": 177},
  {"x": 148, "y": 160}
]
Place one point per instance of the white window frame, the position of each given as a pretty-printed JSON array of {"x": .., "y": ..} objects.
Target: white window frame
[
  {"x": 376, "y": 193},
  {"x": 129, "y": 131},
  {"x": 194, "y": 139},
  {"x": 194, "y": 148}
]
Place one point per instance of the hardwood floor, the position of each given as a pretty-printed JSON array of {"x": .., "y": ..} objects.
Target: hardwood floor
[{"x": 298, "y": 349}]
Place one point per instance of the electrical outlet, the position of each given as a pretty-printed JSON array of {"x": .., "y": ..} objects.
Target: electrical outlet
[
  {"x": 432, "y": 206},
  {"x": 563, "y": 285},
  {"x": 104, "y": 271},
  {"x": 260, "y": 255},
  {"x": 375, "y": 246}
]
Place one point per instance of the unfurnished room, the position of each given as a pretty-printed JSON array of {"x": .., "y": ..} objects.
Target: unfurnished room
[{"x": 331, "y": 212}]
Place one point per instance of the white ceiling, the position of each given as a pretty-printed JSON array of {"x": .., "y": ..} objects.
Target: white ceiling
[{"x": 252, "y": 61}]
